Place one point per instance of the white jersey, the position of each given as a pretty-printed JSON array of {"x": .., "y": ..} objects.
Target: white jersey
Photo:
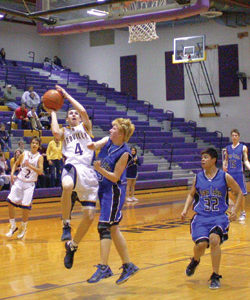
[
  {"x": 75, "y": 146},
  {"x": 26, "y": 174}
]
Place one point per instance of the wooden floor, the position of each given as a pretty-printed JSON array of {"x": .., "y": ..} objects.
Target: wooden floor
[{"x": 158, "y": 243}]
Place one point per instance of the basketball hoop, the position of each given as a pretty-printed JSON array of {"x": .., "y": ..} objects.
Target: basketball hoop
[{"x": 142, "y": 32}]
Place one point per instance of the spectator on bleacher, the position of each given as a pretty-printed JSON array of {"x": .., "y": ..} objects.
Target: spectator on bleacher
[
  {"x": 4, "y": 138},
  {"x": 17, "y": 153},
  {"x": 54, "y": 157},
  {"x": 21, "y": 145},
  {"x": 132, "y": 171},
  {"x": 34, "y": 120},
  {"x": 2, "y": 57},
  {"x": 57, "y": 63},
  {"x": 8, "y": 98},
  {"x": 44, "y": 116},
  {"x": 21, "y": 117},
  {"x": 30, "y": 98},
  {"x": 44, "y": 179},
  {"x": 4, "y": 180},
  {"x": 4, "y": 163}
]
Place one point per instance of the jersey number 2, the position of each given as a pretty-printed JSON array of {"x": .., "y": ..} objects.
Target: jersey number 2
[{"x": 78, "y": 149}]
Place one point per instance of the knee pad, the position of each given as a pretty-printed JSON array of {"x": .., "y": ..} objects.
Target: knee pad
[{"x": 104, "y": 231}]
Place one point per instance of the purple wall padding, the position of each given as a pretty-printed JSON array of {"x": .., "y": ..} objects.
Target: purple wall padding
[
  {"x": 128, "y": 71},
  {"x": 174, "y": 79},
  {"x": 228, "y": 67}
]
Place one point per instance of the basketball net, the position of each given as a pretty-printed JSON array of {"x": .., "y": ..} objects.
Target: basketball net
[{"x": 142, "y": 32}]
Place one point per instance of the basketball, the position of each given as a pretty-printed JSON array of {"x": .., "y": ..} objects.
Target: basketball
[{"x": 53, "y": 99}]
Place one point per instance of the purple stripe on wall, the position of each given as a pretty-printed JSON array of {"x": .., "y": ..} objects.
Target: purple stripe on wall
[
  {"x": 174, "y": 79},
  {"x": 228, "y": 67},
  {"x": 128, "y": 71}
]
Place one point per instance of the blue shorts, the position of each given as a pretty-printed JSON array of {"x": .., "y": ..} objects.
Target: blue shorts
[
  {"x": 240, "y": 179},
  {"x": 111, "y": 202},
  {"x": 202, "y": 227}
]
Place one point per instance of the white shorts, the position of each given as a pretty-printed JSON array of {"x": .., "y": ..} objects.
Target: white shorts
[
  {"x": 85, "y": 182},
  {"x": 21, "y": 194}
]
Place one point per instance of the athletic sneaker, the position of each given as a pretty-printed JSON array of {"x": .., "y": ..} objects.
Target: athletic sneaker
[
  {"x": 134, "y": 199},
  {"x": 242, "y": 216},
  {"x": 128, "y": 199},
  {"x": 215, "y": 281},
  {"x": 21, "y": 232},
  {"x": 103, "y": 271},
  {"x": 66, "y": 235},
  {"x": 129, "y": 270},
  {"x": 11, "y": 231},
  {"x": 191, "y": 267},
  {"x": 69, "y": 257}
]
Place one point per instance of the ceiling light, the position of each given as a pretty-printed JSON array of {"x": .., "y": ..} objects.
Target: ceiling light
[
  {"x": 2, "y": 15},
  {"x": 96, "y": 12}
]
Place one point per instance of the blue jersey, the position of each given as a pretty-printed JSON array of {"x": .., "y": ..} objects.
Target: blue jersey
[
  {"x": 235, "y": 162},
  {"x": 211, "y": 198},
  {"x": 109, "y": 156}
]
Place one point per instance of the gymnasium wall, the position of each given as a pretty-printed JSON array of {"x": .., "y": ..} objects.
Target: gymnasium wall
[
  {"x": 103, "y": 63},
  {"x": 18, "y": 40}
]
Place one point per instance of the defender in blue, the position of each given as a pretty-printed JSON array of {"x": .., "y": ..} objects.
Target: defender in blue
[{"x": 210, "y": 224}]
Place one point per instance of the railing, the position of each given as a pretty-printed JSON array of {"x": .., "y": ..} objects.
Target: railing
[
  {"x": 32, "y": 55},
  {"x": 171, "y": 114},
  {"x": 68, "y": 77},
  {"x": 170, "y": 160},
  {"x": 105, "y": 85},
  {"x": 148, "y": 109},
  {"x": 194, "y": 125},
  {"x": 86, "y": 76},
  {"x": 143, "y": 139},
  {"x": 6, "y": 76},
  {"x": 221, "y": 138}
]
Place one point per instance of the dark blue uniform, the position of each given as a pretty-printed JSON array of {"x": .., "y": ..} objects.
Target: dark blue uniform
[
  {"x": 132, "y": 169},
  {"x": 235, "y": 165},
  {"x": 111, "y": 195},
  {"x": 210, "y": 205}
]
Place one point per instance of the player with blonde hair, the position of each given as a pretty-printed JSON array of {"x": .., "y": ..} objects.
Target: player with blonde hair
[{"x": 111, "y": 166}]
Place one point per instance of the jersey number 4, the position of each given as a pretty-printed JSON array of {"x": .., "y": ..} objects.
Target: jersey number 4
[{"x": 78, "y": 149}]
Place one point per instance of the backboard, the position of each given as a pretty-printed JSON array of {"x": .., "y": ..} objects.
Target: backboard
[{"x": 189, "y": 49}]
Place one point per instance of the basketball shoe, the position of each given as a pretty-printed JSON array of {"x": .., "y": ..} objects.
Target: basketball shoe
[
  {"x": 215, "y": 281},
  {"x": 242, "y": 216},
  {"x": 191, "y": 267},
  {"x": 11, "y": 231},
  {"x": 129, "y": 270},
  {"x": 103, "y": 271},
  {"x": 21, "y": 231},
  {"x": 69, "y": 257}
]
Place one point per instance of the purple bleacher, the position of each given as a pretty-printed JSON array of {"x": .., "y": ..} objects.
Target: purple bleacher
[
  {"x": 160, "y": 183},
  {"x": 148, "y": 168},
  {"x": 154, "y": 175}
]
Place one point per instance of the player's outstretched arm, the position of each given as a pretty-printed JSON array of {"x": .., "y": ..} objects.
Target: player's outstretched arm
[
  {"x": 225, "y": 160},
  {"x": 245, "y": 157},
  {"x": 189, "y": 201},
  {"x": 79, "y": 107},
  {"x": 14, "y": 167},
  {"x": 99, "y": 144},
  {"x": 56, "y": 130},
  {"x": 233, "y": 185},
  {"x": 119, "y": 168}
]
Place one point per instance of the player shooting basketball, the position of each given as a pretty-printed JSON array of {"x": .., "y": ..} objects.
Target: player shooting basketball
[{"x": 78, "y": 173}]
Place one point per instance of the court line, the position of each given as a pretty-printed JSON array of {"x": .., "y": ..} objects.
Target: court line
[
  {"x": 35, "y": 218},
  {"x": 179, "y": 259}
]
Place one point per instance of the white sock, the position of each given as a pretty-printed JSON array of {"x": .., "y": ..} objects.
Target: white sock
[
  {"x": 24, "y": 225},
  {"x": 13, "y": 223},
  {"x": 65, "y": 222}
]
